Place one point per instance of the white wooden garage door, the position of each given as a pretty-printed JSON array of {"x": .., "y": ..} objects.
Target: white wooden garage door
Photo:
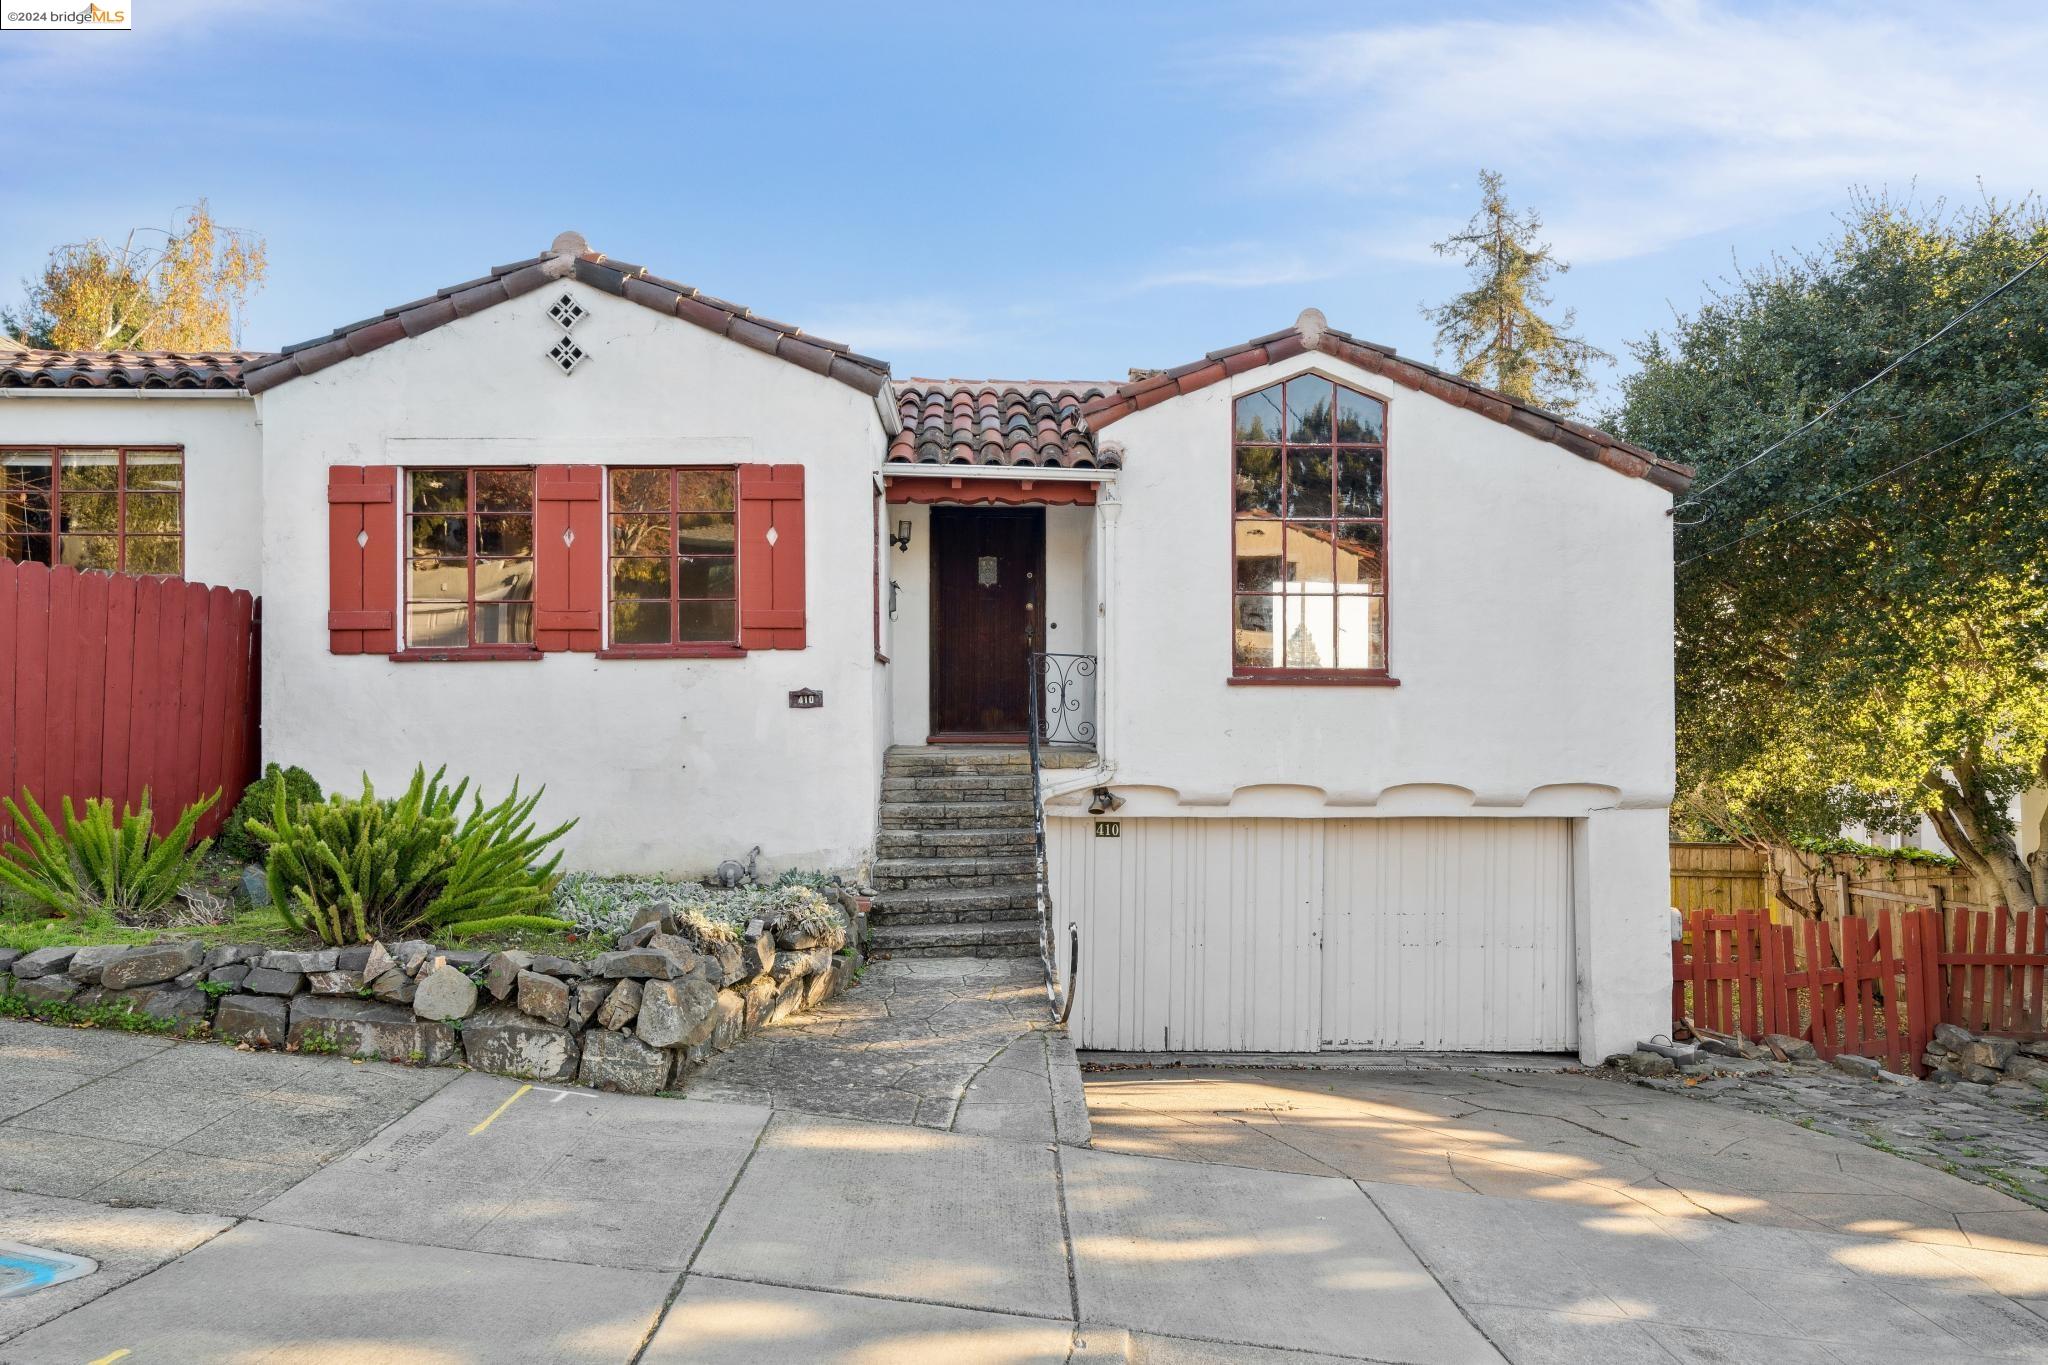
[{"x": 1301, "y": 935}]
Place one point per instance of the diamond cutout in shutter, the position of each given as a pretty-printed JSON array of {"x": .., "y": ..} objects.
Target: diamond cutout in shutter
[
  {"x": 771, "y": 535},
  {"x": 567, "y": 355},
  {"x": 567, "y": 312},
  {"x": 362, "y": 540},
  {"x": 568, "y": 536}
]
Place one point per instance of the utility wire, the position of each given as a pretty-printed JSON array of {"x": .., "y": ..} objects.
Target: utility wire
[
  {"x": 1897, "y": 361},
  {"x": 1830, "y": 500}
]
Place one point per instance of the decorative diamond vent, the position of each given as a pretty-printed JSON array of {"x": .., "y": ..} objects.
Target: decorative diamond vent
[
  {"x": 567, "y": 312},
  {"x": 567, "y": 355}
]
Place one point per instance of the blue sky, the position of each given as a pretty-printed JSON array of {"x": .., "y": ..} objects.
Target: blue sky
[{"x": 1052, "y": 191}]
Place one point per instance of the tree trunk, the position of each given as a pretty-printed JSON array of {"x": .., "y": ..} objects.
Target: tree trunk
[{"x": 1969, "y": 825}]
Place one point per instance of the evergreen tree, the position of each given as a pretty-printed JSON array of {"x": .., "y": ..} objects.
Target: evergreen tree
[{"x": 1493, "y": 330}]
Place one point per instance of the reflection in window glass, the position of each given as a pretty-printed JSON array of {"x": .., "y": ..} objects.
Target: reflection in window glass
[
  {"x": 104, "y": 509},
  {"x": 674, "y": 565},
  {"x": 470, "y": 568},
  {"x": 1309, "y": 529}
]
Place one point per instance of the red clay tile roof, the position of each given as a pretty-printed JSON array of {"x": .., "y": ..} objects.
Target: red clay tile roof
[
  {"x": 26, "y": 368},
  {"x": 570, "y": 258},
  {"x": 996, "y": 422},
  {"x": 1311, "y": 333}
]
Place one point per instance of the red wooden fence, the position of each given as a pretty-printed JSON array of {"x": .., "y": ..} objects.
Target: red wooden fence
[
  {"x": 1874, "y": 988},
  {"x": 110, "y": 684}
]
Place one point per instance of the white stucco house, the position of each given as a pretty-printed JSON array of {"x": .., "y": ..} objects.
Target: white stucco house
[{"x": 1365, "y": 671}]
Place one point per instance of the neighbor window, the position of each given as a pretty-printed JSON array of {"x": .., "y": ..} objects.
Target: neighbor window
[
  {"x": 1308, "y": 531},
  {"x": 469, "y": 565},
  {"x": 116, "y": 509},
  {"x": 674, "y": 577}
]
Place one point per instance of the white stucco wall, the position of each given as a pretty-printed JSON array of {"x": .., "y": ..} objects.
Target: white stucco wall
[
  {"x": 1529, "y": 606},
  {"x": 223, "y": 460},
  {"x": 672, "y": 765}
]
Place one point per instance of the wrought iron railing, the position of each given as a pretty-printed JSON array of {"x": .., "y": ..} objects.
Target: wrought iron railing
[
  {"x": 1048, "y": 947},
  {"x": 1063, "y": 686}
]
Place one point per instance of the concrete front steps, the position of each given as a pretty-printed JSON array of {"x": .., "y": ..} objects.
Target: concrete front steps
[{"x": 955, "y": 863}]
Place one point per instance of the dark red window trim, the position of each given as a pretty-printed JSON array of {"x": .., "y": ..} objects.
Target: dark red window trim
[
  {"x": 489, "y": 651},
  {"x": 1248, "y": 676},
  {"x": 672, "y": 648},
  {"x": 120, "y": 535}
]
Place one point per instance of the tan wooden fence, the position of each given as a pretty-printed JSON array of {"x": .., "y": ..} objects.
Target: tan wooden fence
[{"x": 1727, "y": 877}]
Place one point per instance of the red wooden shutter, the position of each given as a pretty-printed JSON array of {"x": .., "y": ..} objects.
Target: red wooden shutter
[
  {"x": 771, "y": 553},
  {"x": 362, "y": 559},
  {"x": 568, "y": 558}
]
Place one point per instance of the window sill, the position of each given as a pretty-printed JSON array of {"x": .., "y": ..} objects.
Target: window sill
[
  {"x": 674, "y": 652},
  {"x": 465, "y": 656},
  {"x": 1313, "y": 678}
]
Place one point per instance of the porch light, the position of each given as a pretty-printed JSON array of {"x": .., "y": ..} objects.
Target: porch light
[{"x": 901, "y": 540}]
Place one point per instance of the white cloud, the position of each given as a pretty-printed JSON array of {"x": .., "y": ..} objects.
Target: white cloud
[{"x": 1638, "y": 126}]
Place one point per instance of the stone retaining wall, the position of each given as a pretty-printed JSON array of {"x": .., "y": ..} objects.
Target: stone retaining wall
[{"x": 635, "y": 1019}]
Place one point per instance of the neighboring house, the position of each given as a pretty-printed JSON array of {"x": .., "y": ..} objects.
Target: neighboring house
[{"x": 1376, "y": 662}]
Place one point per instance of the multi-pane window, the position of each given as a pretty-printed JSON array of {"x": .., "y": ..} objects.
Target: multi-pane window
[
  {"x": 674, "y": 577},
  {"x": 1308, "y": 530},
  {"x": 469, "y": 563},
  {"x": 116, "y": 509}
]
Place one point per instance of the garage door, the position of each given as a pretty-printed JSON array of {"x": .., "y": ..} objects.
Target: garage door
[{"x": 1300, "y": 935}]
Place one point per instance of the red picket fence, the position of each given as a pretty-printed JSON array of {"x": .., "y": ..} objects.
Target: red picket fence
[
  {"x": 110, "y": 684},
  {"x": 1872, "y": 987}
]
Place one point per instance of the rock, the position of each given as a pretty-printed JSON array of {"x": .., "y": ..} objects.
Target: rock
[
  {"x": 643, "y": 963},
  {"x": 796, "y": 939},
  {"x": 53, "y": 989},
  {"x": 501, "y": 972},
  {"x": 789, "y": 999},
  {"x": 757, "y": 950},
  {"x": 87, "y": 963},
  {"x": 791, "y": 966},
  {"x": 147, "y": 966},
  {"x": 8, "y": 957},
  {"x": 2038, "y": 1079},
  {"x": 466, "y": 960},
  {"x": 731, "y": 1023},
  {"x": 187, "y": 980},
  {"x": 165, "y": 1001},
  {"x": 819, "y": 987},
  {"x": 42, "y": 962},
  {"x": 258, "y": 1020},
  {"x": 620, "y": 1006},
  {"x": 353, "y": 958},
  {"x": 1649, "y": 1064},
  {"x": 586, "y": 998},
  {"x": 228, "y": 954},
  {"x": 650, "y": 916},
  {"x": 369, "y": 1028},
  {"x": 376, "y": 962},
  {"x": 677, "y": 1013},
  {"x": 1795, "y": 1049},
  {"x": 394, "y": 986},
  {"x": 1989, "y": 1052},
  {"x": 637, "y": 936},
  {"x": 231, "y": 975},
  {"x": 270, "y": 981},
  {"x": 1982, "y": 1075},
  {"x": 1897, "y": 1077},
  {"x": 2024, "y": 1067},
  {"x": 731, "y": 963},
  {"x": 322, "y": 960},
  {"x": 412, "y": 954},
  {"x": 678, "y": 947},
  {"x": 444, "y": 993},
  {"x": 544, "y": 998},
  {"x": 761, "y": 995},
  {"x": 1722, "y": 1065},
  {"x": 337, "y": 982},
  {"x": 2033, "y": 1049},
  {"x": 1953, "y": 1037},
  {"x": 500, "y": 1039},
  {"x": 621, "y": 1062},
  {"x": 1865, "y": 1067},
  {"x": 565, "y": 968},
  {"x": 1718, "y": 1045}
]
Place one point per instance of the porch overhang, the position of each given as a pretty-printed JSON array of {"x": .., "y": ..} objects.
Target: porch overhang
[{"x": 992, "y": 485}]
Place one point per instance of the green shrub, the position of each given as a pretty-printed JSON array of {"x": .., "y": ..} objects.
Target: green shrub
[
  {"x": 235, "y": 839},
  {"x": 606, "y": 905},
  {"x": 99, "y": 865},
  {"x": 353, "y": 869}
]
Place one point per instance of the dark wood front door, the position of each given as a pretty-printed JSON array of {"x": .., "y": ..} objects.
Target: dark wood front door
[{"x": 988, "y": 602}]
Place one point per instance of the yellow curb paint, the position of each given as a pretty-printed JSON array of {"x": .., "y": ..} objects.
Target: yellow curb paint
[
  {"x": 109, "y": 1360},
  {"x": 510, "y": 1100}
]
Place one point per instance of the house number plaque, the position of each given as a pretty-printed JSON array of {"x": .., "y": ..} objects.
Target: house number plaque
[
  {"x": 1109, "y": 829},
  {"x": 985, "y": 571},
  {"x": 806, "y": 699}
]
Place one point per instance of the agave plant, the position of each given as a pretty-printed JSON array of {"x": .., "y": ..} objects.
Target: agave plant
[
  {"x": 100, "y": 864},
  {"x": 353, "y": 869}
]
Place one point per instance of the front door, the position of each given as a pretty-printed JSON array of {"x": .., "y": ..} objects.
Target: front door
[{"x": 988, "y": 599}]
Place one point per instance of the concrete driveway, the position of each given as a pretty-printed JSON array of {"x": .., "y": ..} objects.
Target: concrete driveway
[{"x": 491, "y": 1221}]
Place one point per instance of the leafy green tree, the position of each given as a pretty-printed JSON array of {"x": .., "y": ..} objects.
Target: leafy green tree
[
  {"x": 1862, "y": 613},
  {"x": 159, "y": 289},
  {"x": 1493, "y": 330}
]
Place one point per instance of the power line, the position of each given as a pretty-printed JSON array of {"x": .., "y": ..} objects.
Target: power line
[
  {"x": 1897, "y": 361},
  {"x": 1830, "y": 500}
]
